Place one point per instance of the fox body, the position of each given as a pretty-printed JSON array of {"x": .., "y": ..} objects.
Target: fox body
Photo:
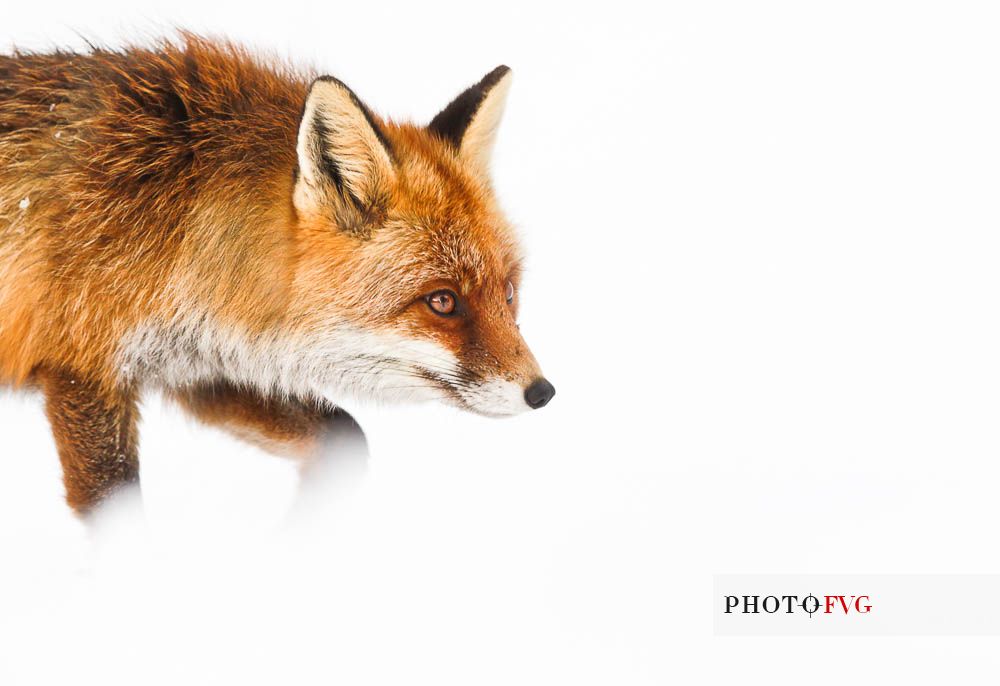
[{"x": 252, "y": 241}]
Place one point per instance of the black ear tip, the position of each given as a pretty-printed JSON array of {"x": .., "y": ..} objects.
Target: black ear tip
[
  {"x": 326, "y": 78},
  {"x": 494, "y": 76},
  {"x": 451, "y": 122}
]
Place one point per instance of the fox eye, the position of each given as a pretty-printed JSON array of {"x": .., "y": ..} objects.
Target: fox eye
[
  {"x": 442, "y": 302},
  {"x": 509, "y": 293}
]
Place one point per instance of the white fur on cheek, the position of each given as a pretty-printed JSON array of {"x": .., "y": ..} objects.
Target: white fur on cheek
[
  {"x": 336, "y": 361},
  {"x": 333, "y": 361},
  {"x": 389, "y": 367},
  {"x": 496, "y": 397}
]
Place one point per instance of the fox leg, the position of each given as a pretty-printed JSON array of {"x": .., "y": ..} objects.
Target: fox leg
[
  {"x": 303, "y": 428},
  {"x": 95, "y": 434}
]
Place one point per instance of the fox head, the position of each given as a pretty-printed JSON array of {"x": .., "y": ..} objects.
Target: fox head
[{"x": 409, "y": 273}]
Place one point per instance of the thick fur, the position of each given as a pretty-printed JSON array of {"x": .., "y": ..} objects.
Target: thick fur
[{"x": 192, "y": 218}]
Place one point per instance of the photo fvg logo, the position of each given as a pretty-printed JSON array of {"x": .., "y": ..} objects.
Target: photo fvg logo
[
  {"x": 793, "y": 604},
  {"x": 881, "y": 605}
]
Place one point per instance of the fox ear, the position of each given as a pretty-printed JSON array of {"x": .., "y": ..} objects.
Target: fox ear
[
  {"x": 345, "y": 161},
  {"x": 471, "y": 120}
]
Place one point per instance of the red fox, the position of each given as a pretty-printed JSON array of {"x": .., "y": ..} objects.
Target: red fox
[{"x": 253, "y": 242}]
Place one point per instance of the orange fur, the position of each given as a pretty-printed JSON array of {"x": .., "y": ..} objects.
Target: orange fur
[
  {"x": 152, "y": 195},
  {"x": 122, "y": 193}
]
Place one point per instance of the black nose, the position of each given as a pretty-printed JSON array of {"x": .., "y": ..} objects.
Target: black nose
[{"x": 539, "y": 393}]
